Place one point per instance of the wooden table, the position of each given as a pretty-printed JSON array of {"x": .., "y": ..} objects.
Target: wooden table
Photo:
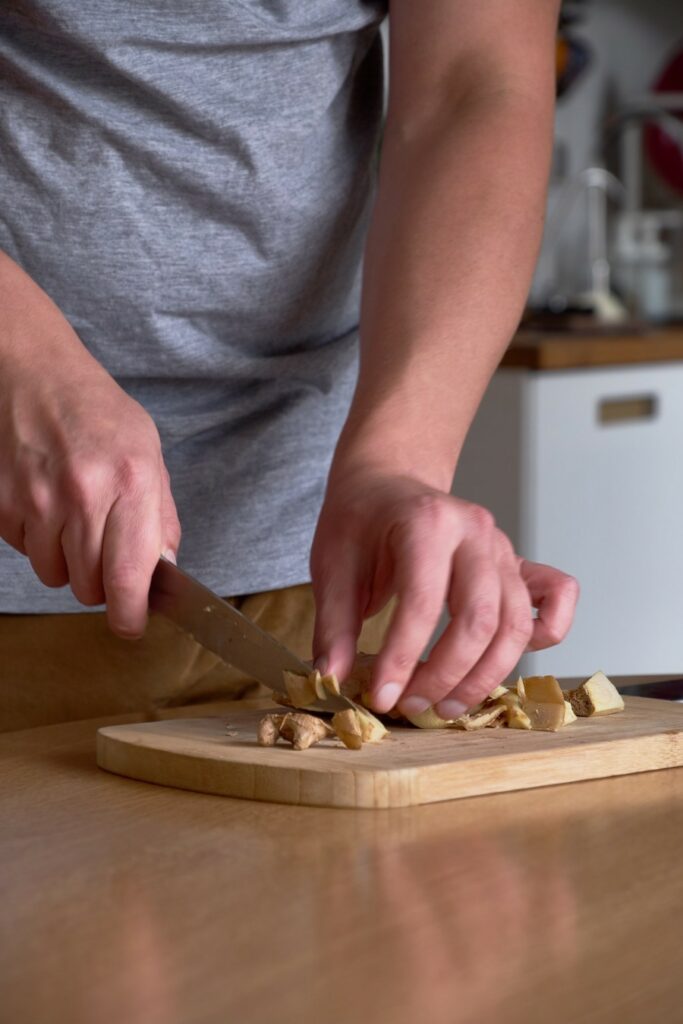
[{"x": 124, "y": 902}]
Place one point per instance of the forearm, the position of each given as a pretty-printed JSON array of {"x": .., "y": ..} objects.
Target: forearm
[
  {"x": 34, "y": 334},
  {"x": 450, "y": 255}
]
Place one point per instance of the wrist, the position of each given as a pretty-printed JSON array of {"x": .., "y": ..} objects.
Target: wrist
[
  {"x": 390, "y": 437},
  {"x": 35, "y": 336}
]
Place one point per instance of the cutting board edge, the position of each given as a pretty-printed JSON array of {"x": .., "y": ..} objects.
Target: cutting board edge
[
  {"x": 382, "y": 788},
  {"x": 666, "y": 747},
  {"x": 350, "y": 789}
]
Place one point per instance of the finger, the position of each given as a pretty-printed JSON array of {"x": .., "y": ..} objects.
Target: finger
[
  {"x": 170, "y": 524},
  {"x": 338, "y": 592},
  {"x": 555, "y": 595},
  {"x": 474, "y": 604},
  {"x": 502, "y": 654},
  {"x": 422, "y": 561},
  {"x": 41, "y": 542},
  {"x": 82, "y": 546},
  {"x": 130, "y": 552}
]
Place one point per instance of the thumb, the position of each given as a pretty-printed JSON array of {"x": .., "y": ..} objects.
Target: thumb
[{"x": 337, "y": 588}]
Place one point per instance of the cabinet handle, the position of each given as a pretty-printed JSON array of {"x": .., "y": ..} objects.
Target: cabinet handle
[{"x": 627, "y": 409}]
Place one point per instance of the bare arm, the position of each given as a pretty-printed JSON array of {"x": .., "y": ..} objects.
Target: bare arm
[
  {"x": 451, "y": 250},
  {"x": 84, "y": 492},
  {"x": 457, "y": 223}
]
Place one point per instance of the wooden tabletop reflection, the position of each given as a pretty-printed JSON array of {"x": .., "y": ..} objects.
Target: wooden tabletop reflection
[{"x": 125, "y": 902}]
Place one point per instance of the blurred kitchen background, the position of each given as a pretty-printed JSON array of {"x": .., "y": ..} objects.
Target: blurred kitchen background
[{"x": 578, "y": 445}]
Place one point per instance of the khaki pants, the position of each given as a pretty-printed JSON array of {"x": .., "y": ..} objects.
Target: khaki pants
[{"x": 59, "y": 668}]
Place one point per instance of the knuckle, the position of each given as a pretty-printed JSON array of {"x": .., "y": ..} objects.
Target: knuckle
[
  {"x": 401, "y": 662},
  {"x": 125, "y": 578},
  {"x": 428, "y": 514},
  {"x": 83, "y": 481},
  {"x": 481, "y": 519},
  {"x": 429, "y": 506},
  {"x": 134, "y": 473},
  {"x": 553, "y": 635},
  {"x": 520, "y": 627},
  {"x": 481, "y": 621},
  {"x": 38, "y": 502},
  {"x": 439, "y": 684},
  {"x": 504, "y": 544},
  {"x": 423, "y": 605}
]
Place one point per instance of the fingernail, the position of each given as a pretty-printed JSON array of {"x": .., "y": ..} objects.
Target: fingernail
[
  {"x": 320, "y": 664},
  {"x": 415, "y": 705},
  {"x": 451, "y": 708},
  {"x": 169, "y": 555},
  {"x": 386, "y": 696}
]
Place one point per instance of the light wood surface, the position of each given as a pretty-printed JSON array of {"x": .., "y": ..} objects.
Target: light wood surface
[
  {"x": 565, "y": 351},
  {"x": 123, "y": 901},
  {"x": 411, "y": 766}
]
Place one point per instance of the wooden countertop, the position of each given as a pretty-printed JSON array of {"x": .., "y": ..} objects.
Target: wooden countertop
[
  {"x": 535, "y": 350},
  {"x": 126, "y": 902}
]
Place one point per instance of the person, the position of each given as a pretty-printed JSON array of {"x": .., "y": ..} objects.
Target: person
[{"x": 198, "y": 222}]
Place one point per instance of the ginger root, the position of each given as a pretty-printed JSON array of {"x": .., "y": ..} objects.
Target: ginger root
[
  {"x": 298, "y": 728},
  {"x": 269, "y": 730}
]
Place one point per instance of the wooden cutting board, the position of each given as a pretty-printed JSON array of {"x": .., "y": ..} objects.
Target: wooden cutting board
[{"x": 220, "y": 755}]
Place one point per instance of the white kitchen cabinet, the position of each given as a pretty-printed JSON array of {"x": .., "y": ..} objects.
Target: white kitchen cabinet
[{"x": 584, "y": 470}]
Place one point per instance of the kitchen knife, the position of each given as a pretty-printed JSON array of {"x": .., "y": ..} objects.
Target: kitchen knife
[{"x": 220, "y": 628}]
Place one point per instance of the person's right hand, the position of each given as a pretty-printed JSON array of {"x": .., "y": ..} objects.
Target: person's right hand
[{"x": 84, "y": 492}]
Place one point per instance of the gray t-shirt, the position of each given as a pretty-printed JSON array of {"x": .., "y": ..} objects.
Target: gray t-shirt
[{"x": 190, "y": 183}]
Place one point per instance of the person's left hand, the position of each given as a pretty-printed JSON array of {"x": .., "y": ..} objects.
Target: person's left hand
[{"x": 378, "y": 535}]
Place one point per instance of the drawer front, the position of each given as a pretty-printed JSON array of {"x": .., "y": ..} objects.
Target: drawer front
[{"x": 602, "y": 498}]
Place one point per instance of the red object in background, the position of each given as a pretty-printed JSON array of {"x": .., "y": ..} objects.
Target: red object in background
[{"x": 664, "y": 152}]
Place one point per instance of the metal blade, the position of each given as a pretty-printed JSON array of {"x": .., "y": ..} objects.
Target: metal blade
[{"x": 222, "y": 629}]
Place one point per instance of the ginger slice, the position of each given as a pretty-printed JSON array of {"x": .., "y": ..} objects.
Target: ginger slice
[
  {"x": 515, "y": 718},
  {"x": 497, "y": 694},
  {"x": 544, "y": 703},
  {"x": 301, "y": 690},
  {"x": 304, "y": 690},
  {"x": 509, "y": 699},
  {"x": 543, "y": 690},
  {"x": 316, "y": 682},
  {"x": 596, "y": 696},
  {"x": 330, "y": 685},
  {"x": 347, "y": 727},
  {"x": 544, "y": 717},
  {"x": 372, "y": 730},
  {"x": 479, "y": 720}
]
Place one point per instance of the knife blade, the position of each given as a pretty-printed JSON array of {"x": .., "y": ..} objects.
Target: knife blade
[{"x": 225, "y": 631}]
